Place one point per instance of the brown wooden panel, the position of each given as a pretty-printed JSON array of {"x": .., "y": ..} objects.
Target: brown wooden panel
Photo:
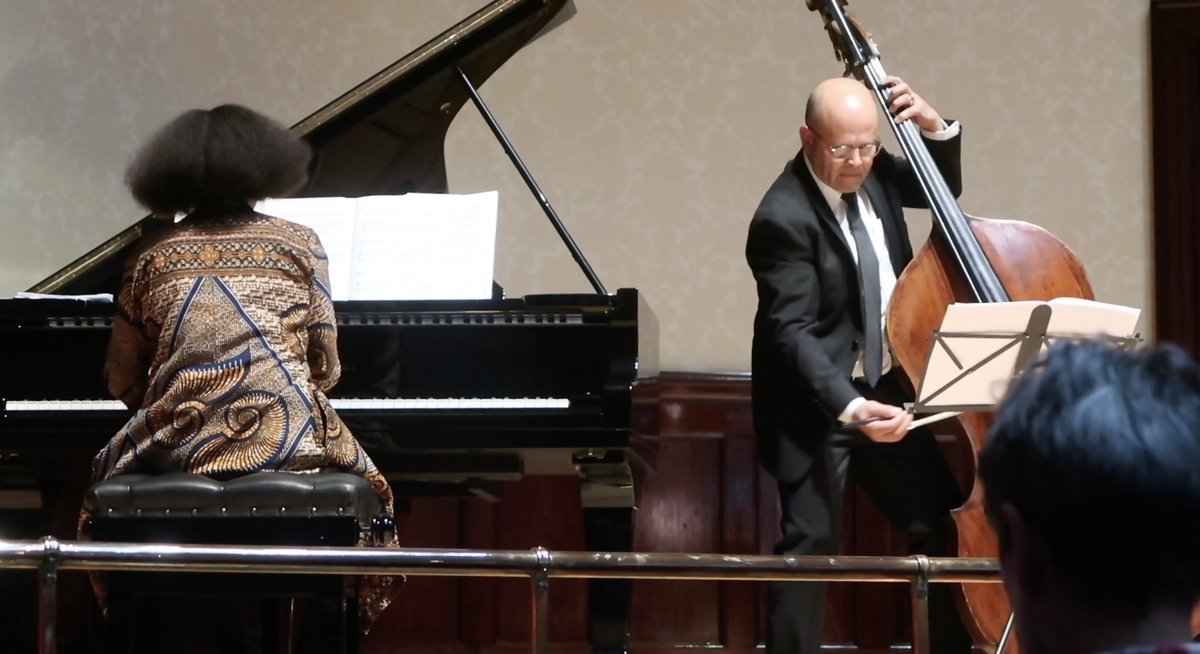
[
  {"x": 740, "y": 513},
  {"x": 436, "y": 614},
  {"x": 427, "y": 610},
  {"x": 1175, "y": 121},
  {"x": 700, "y": 417},
  {"x": 680, "y": 513},
  {"x": 1175, "y": 93},
  {"x": 858, "y": 617},
  {"x": 479, "y": 614},
  {"x": 546, "y": 512}
]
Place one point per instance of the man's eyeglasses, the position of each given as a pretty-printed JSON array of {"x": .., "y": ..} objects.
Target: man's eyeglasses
[{"x": 845, "y": 152}]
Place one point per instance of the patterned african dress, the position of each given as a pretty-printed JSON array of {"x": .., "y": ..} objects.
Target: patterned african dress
[{"x": 225, "y": 345}]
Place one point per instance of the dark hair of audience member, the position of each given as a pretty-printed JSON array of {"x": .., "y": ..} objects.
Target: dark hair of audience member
[
  {"x": 1098, "y": 449},
  {"x": 217, "y": 156}
]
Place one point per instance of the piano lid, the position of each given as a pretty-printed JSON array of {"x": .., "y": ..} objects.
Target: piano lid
[{"x": 384, "y": 136}]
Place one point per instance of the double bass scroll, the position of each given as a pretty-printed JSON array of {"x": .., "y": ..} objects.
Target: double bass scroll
[{"x": 853, "y": 45}]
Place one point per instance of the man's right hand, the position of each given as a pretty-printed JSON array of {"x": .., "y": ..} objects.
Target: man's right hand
[{"x": 884, "y": 423}]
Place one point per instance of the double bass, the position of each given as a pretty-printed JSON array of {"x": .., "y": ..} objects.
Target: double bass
[{"x": 966, "y": 259}]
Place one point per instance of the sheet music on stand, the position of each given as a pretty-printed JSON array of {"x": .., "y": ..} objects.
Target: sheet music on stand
[
  {"x": 982, "y": 347},
  {"x": 416, "y": 246}
]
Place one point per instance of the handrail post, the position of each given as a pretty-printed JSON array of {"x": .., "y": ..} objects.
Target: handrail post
[
  {"x": 539, "y": 631},
  {"x": 920, "y": 606},
  {"x": 48, "y": 596}
]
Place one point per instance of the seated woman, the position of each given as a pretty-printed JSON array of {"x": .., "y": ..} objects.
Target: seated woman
[{"x": 225, "y": 341}]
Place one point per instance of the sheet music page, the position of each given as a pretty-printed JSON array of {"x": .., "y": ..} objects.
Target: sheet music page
[
  {"x": 1074, "y": 316},
  {"x": 424, "y": 246},
  {"x": 974, "y": 335},
  {"x": 333, "y": 221}
]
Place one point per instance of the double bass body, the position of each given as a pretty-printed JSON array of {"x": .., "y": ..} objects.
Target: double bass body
[{"x": 1032, "y": 264}]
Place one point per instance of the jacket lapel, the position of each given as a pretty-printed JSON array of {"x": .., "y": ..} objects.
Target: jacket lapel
[
  {"x": 824, "y": 212},
  {"x": 891, "y": 222}
]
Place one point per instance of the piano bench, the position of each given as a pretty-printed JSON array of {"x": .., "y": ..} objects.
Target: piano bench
[{"x": 264, "y": 508}]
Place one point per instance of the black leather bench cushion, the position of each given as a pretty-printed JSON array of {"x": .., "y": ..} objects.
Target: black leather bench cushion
[{"x": 260, "y": 495}]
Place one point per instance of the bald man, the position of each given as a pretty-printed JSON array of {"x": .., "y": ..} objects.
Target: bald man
[{"x": 822, "y": 406}]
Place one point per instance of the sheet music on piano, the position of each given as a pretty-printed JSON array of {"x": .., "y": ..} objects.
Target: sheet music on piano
[{"x": 416, "y": 246}]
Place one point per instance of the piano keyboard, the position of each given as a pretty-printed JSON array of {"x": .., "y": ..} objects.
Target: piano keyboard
[{"x": 340, "y": 404}]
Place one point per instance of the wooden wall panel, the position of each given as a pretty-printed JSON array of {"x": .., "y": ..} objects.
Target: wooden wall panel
[
  {"x": 677, "y": 515},
  {"x": 435, "y": 614},
  {"x": 707, "y": 494},
  {"x": 715, "y": 410},
  {"x": 1175, "y": 94},
  {"x": 858, "y": 617}
]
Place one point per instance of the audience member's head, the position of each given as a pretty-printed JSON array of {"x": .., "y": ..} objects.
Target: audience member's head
[
  {"x": 1092, "y": 480},
  {"x": 217, "y": 156}
]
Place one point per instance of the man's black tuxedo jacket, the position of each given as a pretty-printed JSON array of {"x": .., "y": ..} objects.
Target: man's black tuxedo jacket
[{"x": 809, "y": 322}]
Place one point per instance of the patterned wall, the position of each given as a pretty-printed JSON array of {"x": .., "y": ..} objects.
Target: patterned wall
[{"x": 653, "y": 126}]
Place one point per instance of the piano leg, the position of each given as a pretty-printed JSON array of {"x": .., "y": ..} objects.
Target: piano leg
[
  {"x": 607, "y": 491},
  {"x": 608, "y": 530}
]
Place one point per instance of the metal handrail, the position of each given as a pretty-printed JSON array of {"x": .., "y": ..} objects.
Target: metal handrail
[{"x": 50, "y": 555}]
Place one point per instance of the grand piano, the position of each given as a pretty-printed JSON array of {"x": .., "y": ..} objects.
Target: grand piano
[{"x": 446, "y": 396}]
